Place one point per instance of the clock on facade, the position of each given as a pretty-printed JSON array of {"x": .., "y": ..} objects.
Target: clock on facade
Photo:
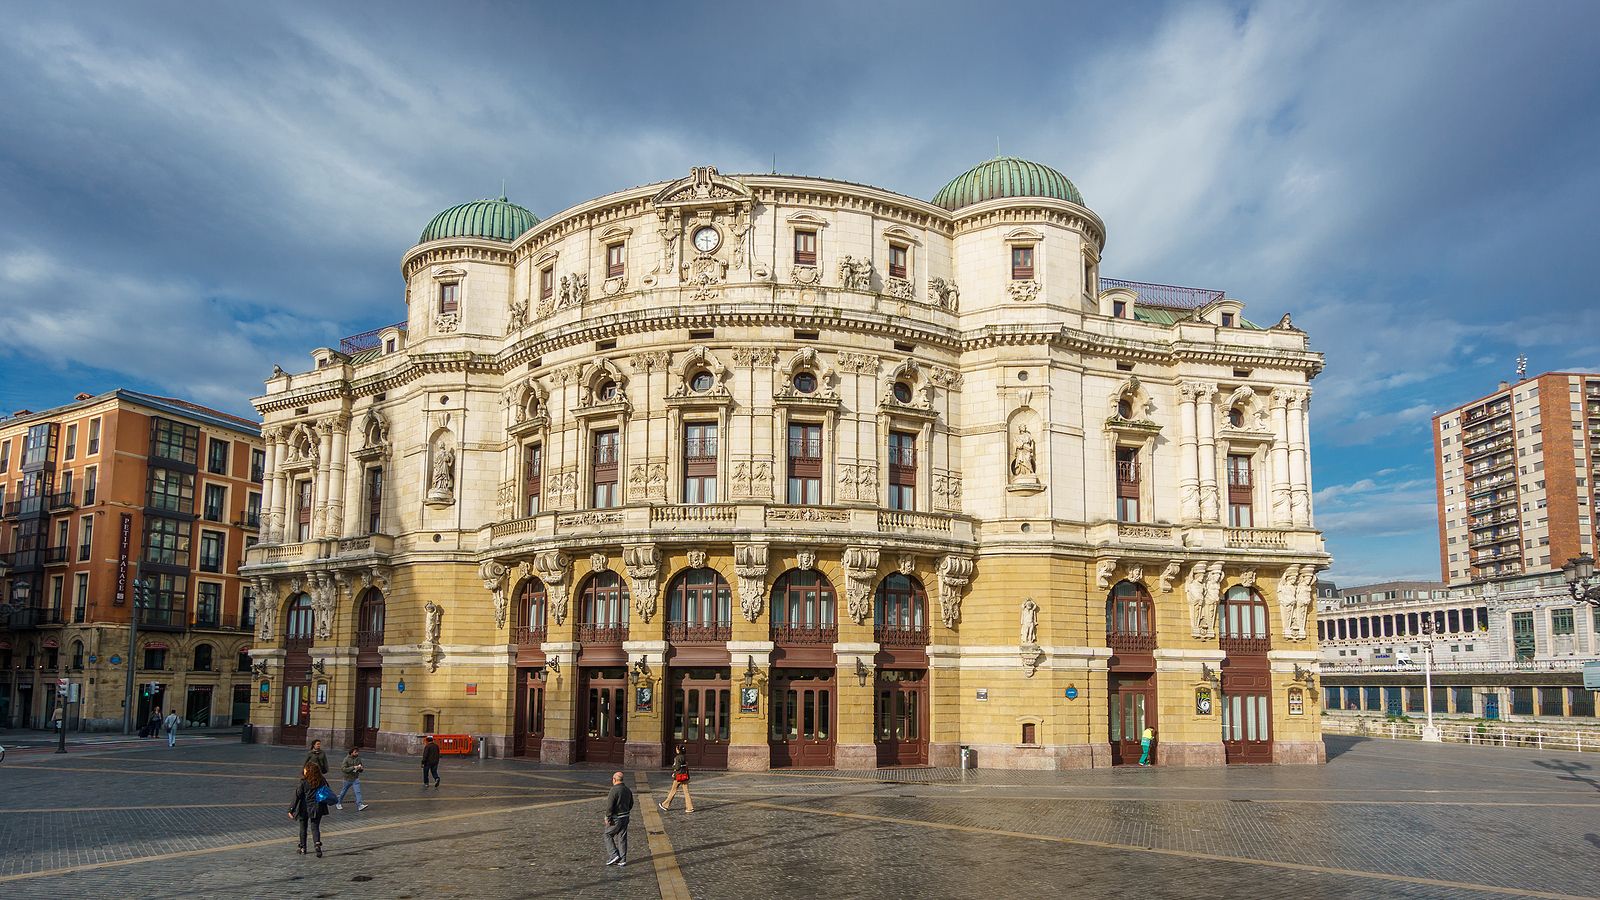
[{"x": 706, "y": 239}]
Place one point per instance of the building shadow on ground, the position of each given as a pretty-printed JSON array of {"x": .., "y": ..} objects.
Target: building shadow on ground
[{"x": 1339, "y": 744}]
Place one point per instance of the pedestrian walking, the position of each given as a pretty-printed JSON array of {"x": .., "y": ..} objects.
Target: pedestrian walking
[
  {"x": 680, "y": 780},
  {"x": 352, "y": 779},
  {"x": 619, "y": 806},
  {"x": 1145, "y": 740},
  {"x": 310, "y": 805},
  {"x": 55, "y": 720},
  {"x": 318, "y": 756},
  {"x": 152, "y": 727},
  {"x": 430, "y": 761},
  {"x": 171, "y": 724}
]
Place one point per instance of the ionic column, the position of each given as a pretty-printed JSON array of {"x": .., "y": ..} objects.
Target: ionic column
[
  {"x": 335, "y": 511},
  {"x": 319, "y": 493},
  {"x": 269, "y": 437},
  {"x": 280, "y": 488},
  {"x": 1280, "y": 517},
  {"x": 1206, "y": 419},
  {"x": 1305, "y": 443},
  {"x": 1188, "y": 471},
  {"x": 1298, "y": 508}
]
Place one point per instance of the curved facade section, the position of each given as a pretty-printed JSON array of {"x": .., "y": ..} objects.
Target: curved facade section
[{"x": 794, "y": 472}]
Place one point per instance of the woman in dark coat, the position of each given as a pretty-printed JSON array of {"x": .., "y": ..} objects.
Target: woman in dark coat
[{"x": 306, "y": 807}]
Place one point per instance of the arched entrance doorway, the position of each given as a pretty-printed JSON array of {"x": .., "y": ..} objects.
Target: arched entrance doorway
[
  {"x": 603, "y": 684},
  {"x": 298, "y": 625},
  {"x": 527, "y": 738},
  {"x": 900, "y": 706},
  {"x": 699, "y": 624},
  {"x": 370, "y": 620},
  {"x": 1246, "y": 677},
  {"x": 804, "y": 690},
  {"x": 1131, "y": 635}
]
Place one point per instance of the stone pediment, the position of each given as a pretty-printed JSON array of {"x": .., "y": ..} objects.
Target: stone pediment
[{"x": 703, "y": 188}]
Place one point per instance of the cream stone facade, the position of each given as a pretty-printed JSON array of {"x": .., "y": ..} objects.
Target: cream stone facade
[{"x": 796, "y": 472}]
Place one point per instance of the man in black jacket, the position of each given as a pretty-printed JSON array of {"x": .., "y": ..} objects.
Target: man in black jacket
[
  {"x": 619, "y": 806},
  {"x": 430, "y": 761}
]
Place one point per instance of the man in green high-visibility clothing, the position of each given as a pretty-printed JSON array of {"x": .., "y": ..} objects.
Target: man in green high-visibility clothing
[{"x": 1145, "y": 740}]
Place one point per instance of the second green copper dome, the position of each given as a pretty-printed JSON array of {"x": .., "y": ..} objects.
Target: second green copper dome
[
  {"x": 1006, "y": 176},
  {"x": 498, "y": 220}
]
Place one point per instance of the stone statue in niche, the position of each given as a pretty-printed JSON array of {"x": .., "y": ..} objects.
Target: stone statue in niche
[
  {"x": 1024, "y": 459},
  {"x": 1030, "y": 622},
  {"x": 442, "y": 487}
]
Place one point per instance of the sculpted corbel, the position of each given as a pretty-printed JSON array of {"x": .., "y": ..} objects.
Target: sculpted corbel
[
  {"x": 1194, "y": 590},
  {"x": 493, "y": 573},
  {"x": 554, "y": 568},
  {"x": 1105, "y": 570},
  {"x": 750, "y": 565},
  {"x": 643, "y": 564},
  {"x": 1169, "y": 575},
  {"x": 1288, "y": 587},
  {"x": 860, "y": 568}
]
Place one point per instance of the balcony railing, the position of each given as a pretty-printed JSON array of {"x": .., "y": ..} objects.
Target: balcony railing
[
  {"x": 168, "y": 619},
  {"x": 1131, "y": 641},
  {"x": 1479, "y": 415},
  {"x": 900, "y": 635},
  {"x": 366, "y": 340},
  {"x": 1128, "y": 472},
  {"x": 1245, "y": 646},
  {"x": 808, "y": 450},
  {"x": 590, "y": 633},
  {"x": 700, "y": 449},
  {"x": 1238, "y": 479},
  {"x": 805, "y": 635},
  {"x": 698, "y": 633},
  {"x": 528, "y": 635},
  {"x": 61, "y": 500},
  {"x": 251, "y": 521},
  {"x": 55, "y": 556},
  {"x": 605, "y": 455},
  {"x": 694, "y": 512},
  {"x": 370, "y": 639},
  {"x": 1445, "y": 665},
  {"x": 1257, "y": 537}
]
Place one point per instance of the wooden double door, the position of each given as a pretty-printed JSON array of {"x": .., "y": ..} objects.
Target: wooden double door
[
  {"x": 1132, "y": 710},
  {"x": 802, "y": 709},
  {"x": 603, "y": 713},
  {"x": 701, "y": 716},
  {"x": 528, "y": 738},
  {"x": 369, "y": 706},
  {"x": 900, "y": 717},
  {"x": 1247, "y": 714}
]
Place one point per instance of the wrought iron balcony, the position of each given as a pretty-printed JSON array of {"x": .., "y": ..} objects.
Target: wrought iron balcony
[
  {"x": 699, "y": 632},
  {"x": 1245, "y": 646},
  {"x": 610, "y": 633},
  {"x": 805, "y": 635},
  {"x": 900, "y": 635},
  {"x": 55, "y": 556},
  {"x": 369, "y": 639},
  {"x": 1131, "y": 641},
  {"x": 528, "y": 635},
  {"x": 61, "y": 500}
]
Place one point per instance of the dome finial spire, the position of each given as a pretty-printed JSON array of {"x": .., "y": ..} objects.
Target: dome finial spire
[{"x": 997, "y": 146}]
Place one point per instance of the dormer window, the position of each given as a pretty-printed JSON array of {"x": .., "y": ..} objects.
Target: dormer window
[
  {"x": 805, "y": 248},
  {"x": 1227, "y": 320},
  {"x": 898, "y": 258},
  {"x": 547, "y": 282},
  {"x": 390, "y": 345},
  {"x": 1021, "y": 263},
  {"x": 449, "y": 298},
  {"x": 1119, "y": 309},
  {"x": 615, "y": 261}
]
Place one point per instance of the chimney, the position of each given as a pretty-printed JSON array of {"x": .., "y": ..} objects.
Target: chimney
[
  {"x": 1504, "y": 385},
  {"x": 83, "y": 396}
]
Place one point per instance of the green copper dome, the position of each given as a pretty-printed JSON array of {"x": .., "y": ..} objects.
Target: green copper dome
[
  {"x": 1006, "y": 176},
  {"x": 497, "y": 220}
]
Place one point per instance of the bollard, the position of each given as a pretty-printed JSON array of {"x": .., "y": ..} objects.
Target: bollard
[{"x": 482, "y": 753}]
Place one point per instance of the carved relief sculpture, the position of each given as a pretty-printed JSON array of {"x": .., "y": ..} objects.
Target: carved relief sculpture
[
  {"x": 855, "y": 273},
  {"x": 1024, "y": 464},
  {"x": 432, "y": 622},
  {"x": 554, "y": 568},
  {"x": 1030, "y": 622},
  {"x": 442, "y": 484},
  {"x": 1213, "y": 597},
  {"x": 493, "y": 575},
  {"x": 324, "y": 596},
  {"x": 1169, "y": 575},
  {"x": 750, "y": 565},
  {"x": 1105, "y": 570},
  {"x": 805, "y": 560},
  {"x": 267, "y": 605},
  {"x": 955, "y": 573},
  {"x": 1023, "y": 290},
  {"x": 860, "y": 570},
  {"x": 944, "y": 293},
  {"x": 644, "y": 565},
  {"x": 1194, "y": 590}
]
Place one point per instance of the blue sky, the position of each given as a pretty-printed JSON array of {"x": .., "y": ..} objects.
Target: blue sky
[{"x": 189, "y": 194}]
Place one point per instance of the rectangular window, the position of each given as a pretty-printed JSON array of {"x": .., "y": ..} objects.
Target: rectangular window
[
  {"x": 155, "y": 659},
  {"x": 171, "y": 491},
  {"x": 449, "y": 298},
  {"x": 174, "y": 441},
  {"x": 615, "y": 261},
  {"x": 1551, "y": 701},
  {"x": 5, "y": 456},
  {"x": 1227, "y": 320},
  {"x": 80, "y": 598},
  {"x": 547, "y": 283},
  {"x": 1127, "y": 484},
  {"x": 700, "y": 462},
  {"x": 216, "y": 503},
  {"x": 71, "y": 450},
  {"x": 1021, "y": 263},
  {"x": 805, "y": 248},
  {"x": 94, "y": 436},
  {"x": 58, "y": 591},
  {"x": 1580, "y": 702},
  {"x": 252, "y": 510},
  {"x": 898, "y": 258},
  {"x": 216, "y": 456},
  {"x": 258, "y": 465},
  {"x": 85, "y": 538},
  {"x": 247, "y": 607},
  {"x": 607, "y": 445},
  {"x": 1523, "y": 643},
  {"x": 805, "y": 464},
  {"x": 902, "y": 470},
  {"x": 1240, "y": 491},
  {"x": 39, "y": 444},
  {"x": 1119, "y": 309},
  {"x": 166, "y": 541},
  {"x": 372, "y": 490},
  {"x": 91, "y": 481},
  {"x": 1561, "y": 622},
  {"x": 532, "y": 478},
  {"x": 302, "y": 509},
  {"x": 211, "y": 551},
  {"x": 208, "y": 605}
]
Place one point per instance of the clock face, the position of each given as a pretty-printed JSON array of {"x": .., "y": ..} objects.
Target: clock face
[{"x": 706, "y": 239}]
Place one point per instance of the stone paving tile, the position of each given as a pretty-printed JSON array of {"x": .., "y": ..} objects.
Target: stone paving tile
[{"x": 219, "y": 808}]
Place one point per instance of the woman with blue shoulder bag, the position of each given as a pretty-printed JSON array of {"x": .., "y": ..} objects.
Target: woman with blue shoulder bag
[{"x": 311, "y": 798}]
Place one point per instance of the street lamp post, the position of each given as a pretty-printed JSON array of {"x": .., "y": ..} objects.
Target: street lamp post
[
  {"x": 1430, "y": 732},
  {"x": 1581, "y": 579}
]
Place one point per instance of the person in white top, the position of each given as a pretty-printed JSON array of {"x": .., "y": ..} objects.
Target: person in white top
[{"x": 171, "y": 725}]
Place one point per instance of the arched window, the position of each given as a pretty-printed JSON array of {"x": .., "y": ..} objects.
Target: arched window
[
  {"x": 370, "y": 618},
  {"x": 202, "y": 658},
  {"x": 77, "y": 654},
  {"x": 1130, "y": 618},
  {"x": 298, "y": 620},
  {"x": 604, "y": 611},
  {"x": 699, "y": 607},
  {"x": 802, "y": 608},
  {"x": 899, "y": 616},
  {"x": 1244, "y": 621},
  {"x": 530, "y": 612},
  {"x": 1124, "y": 409}
]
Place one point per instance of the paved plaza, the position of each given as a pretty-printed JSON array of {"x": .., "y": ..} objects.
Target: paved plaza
[{"x": 1382, "y": 819}]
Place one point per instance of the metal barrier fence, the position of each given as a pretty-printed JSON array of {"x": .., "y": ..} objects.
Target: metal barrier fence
[{"x": 1488, "y": 735}]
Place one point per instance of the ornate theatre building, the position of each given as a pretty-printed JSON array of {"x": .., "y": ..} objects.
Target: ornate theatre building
[{"x": 799, "y": 473}]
